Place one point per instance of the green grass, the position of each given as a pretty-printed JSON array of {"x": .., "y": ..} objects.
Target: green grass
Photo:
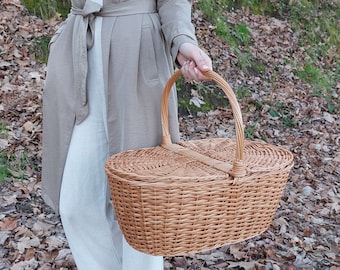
[
  {"x": 41, "y": 49},
  {"x": 44, "y": 9},
  {"x": 323, "y": 83},
  {"x": 3, "y": 130},
  {"x": 237, "y": 36},
  {"x": 316, "y": 24},
  {"x": 63, "y": 7},
  {"x": 282, "y": 111},
  {"x": 47, "y": 9},
  {"x": 234, "y": 34},
  {"x": 243, "y": 92},
  {"x": 314, "y": 76},
  {"x": 4, "y": 172},
  {"x": 249, "y": 131},
  {"x": 12, "y": 164}
]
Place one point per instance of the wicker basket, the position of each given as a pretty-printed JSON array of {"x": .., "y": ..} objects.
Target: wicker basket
[{"x": 177, "y": 199}]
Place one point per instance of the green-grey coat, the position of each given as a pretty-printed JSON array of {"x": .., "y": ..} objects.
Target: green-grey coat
[{"x": 140, "y": 40}]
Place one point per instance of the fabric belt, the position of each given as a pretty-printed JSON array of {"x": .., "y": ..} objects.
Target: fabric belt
[{"x": 83, "y": 38}]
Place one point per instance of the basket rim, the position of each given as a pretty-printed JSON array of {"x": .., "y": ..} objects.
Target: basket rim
[
  {"x": 142, "y": 181},
  {"x": 287, "y": 161}
]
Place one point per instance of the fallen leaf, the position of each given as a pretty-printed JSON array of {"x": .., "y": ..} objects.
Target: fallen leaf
[
  {"x": 3, "y": 237},
  {"x": 26, "y": 242},
  {"x": 28, "y": 126},
  {"x": 8, "y": 224},
  {"x": 235, "y": 250},
  {"x": 3, "y": 144},
  {"x": 243, "y": 265}
]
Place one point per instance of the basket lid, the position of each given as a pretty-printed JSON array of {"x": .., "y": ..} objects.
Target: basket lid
[
  {"x": 258, "y": 156},
  {"x": 158, "y": 164}
]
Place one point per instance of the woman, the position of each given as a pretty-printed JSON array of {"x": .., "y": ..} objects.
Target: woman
[{"x": 108, "y": 65}]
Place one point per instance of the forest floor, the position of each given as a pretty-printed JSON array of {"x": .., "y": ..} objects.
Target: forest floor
[{"x": 305, "y": 232}]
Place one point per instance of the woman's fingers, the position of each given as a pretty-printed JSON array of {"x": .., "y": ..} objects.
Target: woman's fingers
[
  {"x": 194, "y": 62},
  {"x": 191, "y": 72}
]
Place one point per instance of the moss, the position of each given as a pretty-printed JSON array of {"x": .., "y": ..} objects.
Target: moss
[{"x": 212, "y": 96}]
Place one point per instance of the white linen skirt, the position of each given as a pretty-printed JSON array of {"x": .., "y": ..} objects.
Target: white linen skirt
[{"x": 86, "y": 211}]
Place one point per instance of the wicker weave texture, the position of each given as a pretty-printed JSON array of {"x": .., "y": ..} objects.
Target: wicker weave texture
[
  {"x": 168, "y": 204},
  {"x": 193, "y": 196}
]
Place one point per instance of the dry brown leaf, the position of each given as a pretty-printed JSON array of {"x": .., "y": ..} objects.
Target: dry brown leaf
[
  {"x": 26, "y": 243},
  {"x": 235, "y": 250},
  {"x": 28, "y": 126},
  {"x": 243, "y": 265},
  {"x": 8, "y": 224}
]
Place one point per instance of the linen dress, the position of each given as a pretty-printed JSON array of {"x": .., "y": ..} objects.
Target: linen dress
[
  {"x": 138, "y": 52},
  {"x": 107, "y": 67}
]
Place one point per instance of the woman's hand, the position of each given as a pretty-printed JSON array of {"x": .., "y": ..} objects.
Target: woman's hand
[{"x": 194, "y": 62}]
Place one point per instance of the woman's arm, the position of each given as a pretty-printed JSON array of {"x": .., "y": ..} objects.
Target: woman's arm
[{"x": 179, "y": 33}]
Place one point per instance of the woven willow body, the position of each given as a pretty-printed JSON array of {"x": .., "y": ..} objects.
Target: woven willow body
[{"x": 177, "y": 199}]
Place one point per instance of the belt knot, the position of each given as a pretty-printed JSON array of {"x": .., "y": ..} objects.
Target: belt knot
[{"x": 83, "y": 39}]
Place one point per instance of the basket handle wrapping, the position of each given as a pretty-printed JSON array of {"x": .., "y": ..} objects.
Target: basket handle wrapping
[{"x": 238, "y": 169}]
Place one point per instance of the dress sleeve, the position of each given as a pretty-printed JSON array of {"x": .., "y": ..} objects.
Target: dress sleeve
[{"x": 175, "y": 16}]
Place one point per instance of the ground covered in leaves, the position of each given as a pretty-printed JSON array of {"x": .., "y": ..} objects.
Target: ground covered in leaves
[{"x": 305, "y": 233}]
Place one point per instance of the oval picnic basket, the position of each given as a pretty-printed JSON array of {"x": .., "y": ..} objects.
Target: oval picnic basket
[{"x": 192, "y": 196}]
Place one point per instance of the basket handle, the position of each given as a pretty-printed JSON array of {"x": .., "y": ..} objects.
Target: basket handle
[{"x": 238, "y": 169}]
